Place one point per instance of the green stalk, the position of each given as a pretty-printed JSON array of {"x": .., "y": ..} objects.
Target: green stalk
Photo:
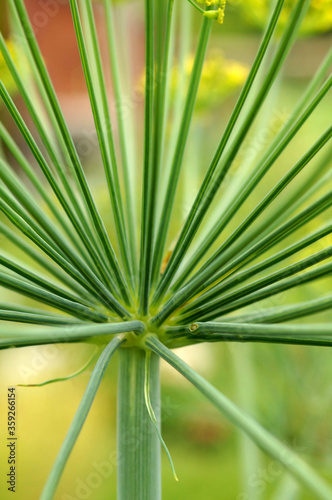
[
  {"x": 94, "y": 213},
  {"x": 283, "y": 211},
  {"x": 268, "y": 199},
  {"x": 150, "y": 172},
  {"x": 138, "y": 442},
  {"x": 216, "y": 173},
  {"x": 249, "y": 184},
  {"x": 249, "y": 456},
  {"x": 173, "y": 113},
  {"x": 33, "y": 177},
  {"x": 123, "y": 133},
  {"x": 45, "y": 263},
  {"x": 205, "y": 306},
  {"x": 37, "y": 88},
  {"x": 47, "y": 171},
  {"x": 197, "y": 7},
  {"x": 34, "y": 292},
  {"x": 266, "y": 441},
  {"x": 79, "y": 419},
  {"x": 52, "y": 128},
  {"x": 82, "y": 274},
  {"x": 240, "y": 277},
  {"x": 309, "y": 334},
  {"x": 102, "y": 119},
  {"x": 19, "y": 80},
  {"x": 160, "y": 99},
  {"x": 273, "y": 289},
  {"x": 217, "y": 269},
  {"x": 188, "y": 112},
  {"x": 285, "y": 313},
  {"x": 80, "y": 332},
  {"x": 33, "y": 318},
  {"x": 17, "y": 188},
  {"x": 24, "y": 271}
]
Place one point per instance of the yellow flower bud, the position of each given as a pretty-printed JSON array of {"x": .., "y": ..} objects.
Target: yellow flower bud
[{"x": 217, "y": 14}]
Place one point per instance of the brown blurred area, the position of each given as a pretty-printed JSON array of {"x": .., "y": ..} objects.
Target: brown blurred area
[{"x": 53, "y": 26}]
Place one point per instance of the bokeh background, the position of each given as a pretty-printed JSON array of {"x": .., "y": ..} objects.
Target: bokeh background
[{"x": 288, "y": 389}]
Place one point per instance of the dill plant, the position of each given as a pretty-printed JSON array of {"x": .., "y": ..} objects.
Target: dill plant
[{"x": 129, "y": 292}]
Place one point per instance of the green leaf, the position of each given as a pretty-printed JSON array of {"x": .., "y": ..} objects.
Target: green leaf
[
  {"x": 262, "y": 245},
  {"x": 286, "y": 313},
  {"x": 128, "y": 171},
  {"x": 182, "y": 139},
  {"x": 205, "y": 305},
  {"x": 240, "y": 277},
  {"x": 103, "y": 123},
  {"x": 79, "y": 419},
  {"x": 283, "y": 138},
  {"x": 216, "y": 173},
  {"x": 74, "y": 333},
  {"x": 49, "y": 89},
  {"x": 150, "y": 171},
  {"x": 266, "y": 441},
  {"x": 309, "y": 334}
]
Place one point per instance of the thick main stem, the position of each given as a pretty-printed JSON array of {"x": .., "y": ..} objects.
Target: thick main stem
[{"x": 139, "y": 476}]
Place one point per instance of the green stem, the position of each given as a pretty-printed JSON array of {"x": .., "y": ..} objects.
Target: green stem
[
  {"x": 170, "y": 196},
  {"x": 94, "y": 213},
  {"x": 201, "y": 280},
  {"x": 285, "y": 313},
  {"x": 81, "y": 332},
  {"x": 44, "y": 262},
  {"x": 162, "y": 67},
  {"x": 196, "y": 6},
  {"x": 260, "y": 284},
  {"x": 216, "y": 173},
  {"x": 138, "y": 443},
  {"x": 267, "y": 442},
  {"x": 249, "y": 456},
  {"x": 79, "y": 419},
  {"x": 250, "y": 183},
  {"x": 123, "y": 139},
  {"x": 308, "y": 334},
  {"x": 101, "y": 117},
  {"x": 150, "y": 172},
  {"x": 175, "y": 104}
]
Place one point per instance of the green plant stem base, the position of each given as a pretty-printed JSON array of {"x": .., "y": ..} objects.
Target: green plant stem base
[{"x": 139, "y": 475}]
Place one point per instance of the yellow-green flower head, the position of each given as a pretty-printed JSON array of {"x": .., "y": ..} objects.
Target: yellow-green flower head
[
  {"x": 317, "y": 20},
  {"x": 217, "y": 14},
  {"x": 221, "y": 77}
]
